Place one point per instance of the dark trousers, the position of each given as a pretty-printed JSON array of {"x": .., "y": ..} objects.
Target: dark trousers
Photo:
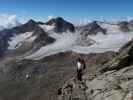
[{"x": 79, "y": 74}]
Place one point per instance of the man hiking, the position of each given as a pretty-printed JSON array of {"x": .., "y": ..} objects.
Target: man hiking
[{"x": 80, "y": 63}]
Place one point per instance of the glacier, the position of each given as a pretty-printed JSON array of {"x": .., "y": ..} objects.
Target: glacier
[
  {"x": 68, "y": 41},
  {"x": 16, "y": 41}
]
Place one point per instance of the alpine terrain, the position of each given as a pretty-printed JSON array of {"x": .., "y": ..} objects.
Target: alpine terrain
[{"x": 38, "y": 60}]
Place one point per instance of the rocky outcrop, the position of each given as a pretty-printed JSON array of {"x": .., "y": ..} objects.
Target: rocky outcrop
[
  {"x": 131, "y": 25},
  {"x": 61, "y": 25},
  {"x": 124, "y": 26},
  {"x": 112, "y": 85},
  {"x": 42, "y": 38},
  {"x": 91, "y": 29},
  {"x": 114, "y": 80},
  {"x": 124, "y": 59}
]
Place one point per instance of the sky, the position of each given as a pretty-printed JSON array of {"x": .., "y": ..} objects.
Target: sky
[{"x": 70, "y": 9}]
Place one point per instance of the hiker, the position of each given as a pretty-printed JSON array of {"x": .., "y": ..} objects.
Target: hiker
[
  {"x": 80, "y": 68},
  {"x": 27, "y": 76}
]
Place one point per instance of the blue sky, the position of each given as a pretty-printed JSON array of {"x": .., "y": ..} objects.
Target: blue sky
[{"x": 70, "y": 9}]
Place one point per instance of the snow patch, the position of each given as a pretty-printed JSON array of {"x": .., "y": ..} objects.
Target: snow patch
[
  {"x": 51, "y": 17},
  {"x": 17, "y": 40},
  {"x": 111, "y": 28},
  {"x": 47, "y": 28}
]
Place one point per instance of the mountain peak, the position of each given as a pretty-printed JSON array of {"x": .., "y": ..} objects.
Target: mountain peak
[
  {"x": 61, "y": 25},
  {"x": 59, "y": 18},
  {"x": 55, "y": 20},
  {"x": 31, "y": 22}
]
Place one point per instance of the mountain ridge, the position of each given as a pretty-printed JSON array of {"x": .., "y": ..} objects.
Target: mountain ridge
[{"x": 23, "y": 78}]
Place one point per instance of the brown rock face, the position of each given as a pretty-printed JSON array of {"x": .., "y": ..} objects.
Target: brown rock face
[{"x": 45, "y": 76}]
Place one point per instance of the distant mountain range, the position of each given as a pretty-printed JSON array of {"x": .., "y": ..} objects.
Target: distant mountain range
[
  {"x": 40, "y": 31},
  {"x": 31, "y": 36},
  {"x": 37, "y": 58}
]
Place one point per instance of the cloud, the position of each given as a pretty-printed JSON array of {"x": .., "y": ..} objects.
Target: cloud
[
  {"x": 8, "y": 21},
  {"x": 50, "y": 17},
  {"x": 129, "y": 18},
  {"x": 81, "y": 22}
]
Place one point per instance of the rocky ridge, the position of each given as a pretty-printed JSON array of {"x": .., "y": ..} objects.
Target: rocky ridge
[{"x": 113, "y": 80}]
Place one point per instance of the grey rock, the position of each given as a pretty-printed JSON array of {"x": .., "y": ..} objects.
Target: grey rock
[
  {"x": 61, "y": 25},
  {"x": 91, "y": 29}
]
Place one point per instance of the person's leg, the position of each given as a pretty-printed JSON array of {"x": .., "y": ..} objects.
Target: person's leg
[{"x": 79, "y": 75}]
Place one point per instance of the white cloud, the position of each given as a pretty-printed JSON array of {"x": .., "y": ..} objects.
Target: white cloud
[
  {"x": 50, "y": 17},
  {"x": 8, "y": 21},
  {"x": 129, "y": 18},
  {"x": 82, "y": 22}
]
